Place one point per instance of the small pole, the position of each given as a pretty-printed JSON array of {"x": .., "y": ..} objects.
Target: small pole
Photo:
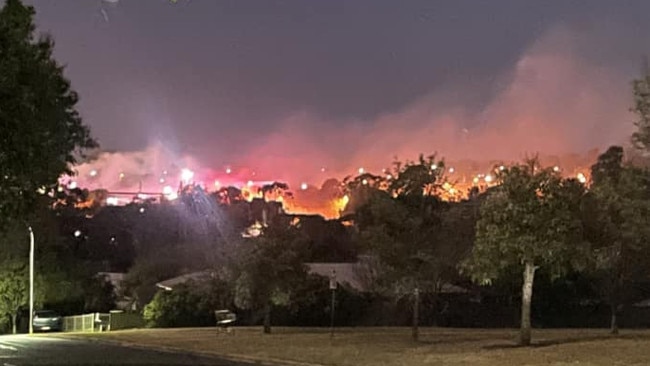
[
  {"x": 416, "y": 315},
  {"x": 333, "y": 286},
  {"x": 31, "y": 280}
]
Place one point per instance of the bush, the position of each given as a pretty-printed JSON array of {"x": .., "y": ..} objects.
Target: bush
[{"x": 187, "y": 305}]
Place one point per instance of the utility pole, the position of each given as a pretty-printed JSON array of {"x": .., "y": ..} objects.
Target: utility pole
[
  {"x": 416, "y": 315},
  {"x": 333, "y": 285},
  {"x": 31, "y": 280}
]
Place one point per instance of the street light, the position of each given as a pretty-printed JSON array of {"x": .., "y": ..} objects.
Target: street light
[{"x": 31, "y": 280}]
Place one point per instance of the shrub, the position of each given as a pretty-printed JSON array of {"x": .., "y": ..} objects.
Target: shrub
[{"x": 187, "y": 305}]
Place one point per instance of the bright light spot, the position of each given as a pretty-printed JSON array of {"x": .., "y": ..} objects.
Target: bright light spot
[
  {"x": 164, "y": 172},
  {"x": 322, "y": 170},
  {"x": 502, "y": 168},
  {"x": 216, "y": 183},
  {"x": 72, "y": 185},
  {"x": 451, "y": 170},
  {"x": 253, "y": 231},
  {"x": 141, "y": 209},
  {"x": 361, "y": 170},
  {"x": 112, "y": 201},
  {"x": 41, "y": 190},
  {"x": 121, "y": 176},
  {"x": 162, "y": 180},
  {"x": 434, "y": 166},
  {"x": 556, "y": 168},
  {"x": 186, "y": 175},
  {"x": 475, "y": 180},
  {"x": 142, "y": 196},
  {"x": 582, "y": 178},
  {"x": 389, "y": 177},
  {"x": 364, "y": 182},
  {"x": 488, "y": 178},
  {"x": 169, "y": 193},
  {"x": 77, "y": 233},
  {"x": 452, "y": 190},
  {"x": 228, "y": 170},
  {"x": 59, "y": 189},
  {"x": 167, "y": 190},
  {"x": 93, "y": 173},
  {"x": 303, "y": 186},
  {"x": 249, "y": 183}
]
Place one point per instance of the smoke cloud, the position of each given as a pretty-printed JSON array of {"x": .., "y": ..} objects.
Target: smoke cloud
[{"x": 555, "y": 100}]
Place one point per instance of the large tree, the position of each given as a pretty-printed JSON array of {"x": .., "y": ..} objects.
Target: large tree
[
  {"x": 400, "y": 223},
  {"x": 617, "y": 212},
  {"x": 14, "y": 290},
  {"x": 641, "y": 89},
  {"x": 271, "y": 268},
  {"x": 42, "y": 134},
  {"x": 531, "y": 220}
]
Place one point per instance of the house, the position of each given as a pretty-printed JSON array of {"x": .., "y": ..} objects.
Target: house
[
  {"x": 116, "y": 279},
  {"x": 169, "y": 284},
  {"x": 361, "y": 275}
]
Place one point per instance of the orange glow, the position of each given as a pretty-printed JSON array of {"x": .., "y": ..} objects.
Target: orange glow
[{"x": 329, "y": 200}]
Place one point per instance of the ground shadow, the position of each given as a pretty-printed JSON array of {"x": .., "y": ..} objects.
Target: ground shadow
[
  {"x": 568, "y": 340},
  {"x": 452, "y": 340}
]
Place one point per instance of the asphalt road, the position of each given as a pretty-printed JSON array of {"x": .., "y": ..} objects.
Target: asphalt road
[{"x": 23, "y": 350}]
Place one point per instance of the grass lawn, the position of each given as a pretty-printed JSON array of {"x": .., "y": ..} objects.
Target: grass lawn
[{"x": 392, "y": 346}]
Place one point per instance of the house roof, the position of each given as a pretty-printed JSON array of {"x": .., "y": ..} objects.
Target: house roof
[
  {"x": 344, "y": 272},
  {"x": 360, "y": 275},
  {"x": 169, "y": 284},
  {"x": 115, "y": 278}
]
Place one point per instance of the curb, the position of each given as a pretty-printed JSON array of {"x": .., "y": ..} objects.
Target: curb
[{"x": 168, "y": 349}]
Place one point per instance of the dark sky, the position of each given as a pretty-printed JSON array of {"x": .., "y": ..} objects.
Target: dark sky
[{"x": 221, "y": 78}]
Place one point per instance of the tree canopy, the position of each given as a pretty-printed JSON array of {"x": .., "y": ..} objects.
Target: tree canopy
[
  {"x": 641, "y": 89},
  {"x": 42, "y": 132},
  {"x": 532, "y": 219},
  {"x": 400, "y": 224},
  {"x": 617, "y": 209},
  {"x": 271, "y": 269}
]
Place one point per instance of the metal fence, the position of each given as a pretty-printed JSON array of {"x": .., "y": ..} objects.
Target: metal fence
[
  {"x": 79, "y": 323},
  {"x": 101, "y": 322}
]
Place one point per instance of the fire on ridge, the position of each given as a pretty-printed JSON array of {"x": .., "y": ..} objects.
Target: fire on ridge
[{"x": 329, "y": 199}]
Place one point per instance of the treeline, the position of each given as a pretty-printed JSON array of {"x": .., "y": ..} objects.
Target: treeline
[{"x": 586, "y": 246}]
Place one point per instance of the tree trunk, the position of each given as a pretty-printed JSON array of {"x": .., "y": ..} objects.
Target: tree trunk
[
  {"x": 415, "y": 332},
  {"x": 526, "y": 298},
  {"x": 613, "y": 329},
  {"x": 13, "y": 323},
  {"x": 267, "y": 318}
]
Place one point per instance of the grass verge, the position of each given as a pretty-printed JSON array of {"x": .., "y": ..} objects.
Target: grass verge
[{"x": 392, "y": 346}]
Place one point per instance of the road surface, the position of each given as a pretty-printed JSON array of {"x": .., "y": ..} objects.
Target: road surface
[{"x": 23, "y": 350}]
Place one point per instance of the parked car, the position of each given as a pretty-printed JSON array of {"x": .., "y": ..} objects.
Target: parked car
[{"x": 47, "y": 320}]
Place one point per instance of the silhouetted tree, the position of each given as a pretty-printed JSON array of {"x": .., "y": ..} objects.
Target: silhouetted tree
[
  {"x": 616, "y": 213},
  {"x": 271, "y": 269},
  {"x": 399, "y": 222},
  {"x": 641, "y": 91},
  {"x": 42, "y": 133}
]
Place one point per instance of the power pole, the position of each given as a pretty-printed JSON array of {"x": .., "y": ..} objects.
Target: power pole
[
  {"x": 31, "y": 280},
  {"x": 415, "y": 331},
  {"x": 333, "y": 285}
]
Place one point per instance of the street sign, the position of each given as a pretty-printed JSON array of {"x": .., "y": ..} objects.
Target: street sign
[{"x": 333, "y": 282}]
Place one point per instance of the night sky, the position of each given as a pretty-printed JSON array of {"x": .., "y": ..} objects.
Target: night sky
[{"x": 282, "y": 84}]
